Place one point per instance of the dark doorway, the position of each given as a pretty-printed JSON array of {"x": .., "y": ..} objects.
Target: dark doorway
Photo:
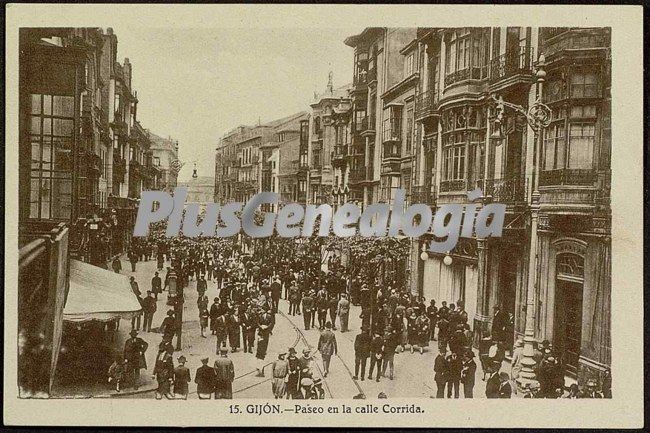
[
  {"x": 508, "y": 288},
  {"x": 568, "y": 310}
]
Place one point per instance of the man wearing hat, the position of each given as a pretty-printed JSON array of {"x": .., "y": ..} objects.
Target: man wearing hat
[
  {"x": 276, "y": 292},
  {"x": 181, "y": 378},
  {"x": 205, "y": 380},
  {"x": 156, "y": 285},
  {"x": 134, "y": 349},
  {"x": 249, "y": 325},
  {"x": 327, "y": 347},
  {"x": 344, "y": 312},
  {"x": 168, "y": 325},
  {"x": 441, "y": 370},
  {"x": 361, "y": 352},
  {"x": 468, "y": 374},
  {"x": 221, "y": 329},
  {"x": 307, "y": 309},
  {"x": 280, "y": 370},
  {"x": 376, "y": 355},
  {"x": 149, "y": 307},
  {"x": 224, "y": 370}
]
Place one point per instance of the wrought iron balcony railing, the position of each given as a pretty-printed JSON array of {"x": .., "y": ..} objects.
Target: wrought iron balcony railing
[
  {"x": 507, "y": 190},
  {"x": 424, "y": 194},
  {"x": 457, "y": 185},
  {"x": 426, "y": 103},
  {"x": 576, "y": 177},
  {"x": 519, "y": 61}
]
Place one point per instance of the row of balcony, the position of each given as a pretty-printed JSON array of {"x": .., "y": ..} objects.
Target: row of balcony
[
  {"x": 507, "y": 190},
  {"x": 515, "y": 189}
]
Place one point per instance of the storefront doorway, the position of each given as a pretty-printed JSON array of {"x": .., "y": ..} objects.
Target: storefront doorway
[{"x": 568, "y": 310}]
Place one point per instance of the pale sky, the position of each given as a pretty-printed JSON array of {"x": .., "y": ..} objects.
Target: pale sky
[{"x": 197, "y": 84}]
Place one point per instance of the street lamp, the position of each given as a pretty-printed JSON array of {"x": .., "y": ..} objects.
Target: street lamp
[{"x": 538, "y": 117}]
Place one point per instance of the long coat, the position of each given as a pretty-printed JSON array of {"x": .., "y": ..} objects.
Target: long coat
[
  {"x": 205, "y": 379},
  {"x": 134, "y": 349},
  {"x": 181, "y": 379},
  {"x": 327, "y": 343}
]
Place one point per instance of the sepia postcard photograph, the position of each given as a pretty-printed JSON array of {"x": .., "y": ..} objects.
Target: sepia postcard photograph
[{"x": 396, "y": 212}]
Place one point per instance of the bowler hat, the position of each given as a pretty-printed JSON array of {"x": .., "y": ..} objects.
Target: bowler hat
[
  {"x": 292, "y": 351},
  {"x": 182, "y": 358},
  {"x": 133, "y": 333}
]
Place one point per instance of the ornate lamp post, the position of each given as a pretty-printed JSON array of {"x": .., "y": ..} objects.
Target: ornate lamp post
[{"x": 538, "y": 116}]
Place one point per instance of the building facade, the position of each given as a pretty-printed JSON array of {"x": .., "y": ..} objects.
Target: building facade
[
  {"x": 555, "y": 181},
  {"x": 164, "y": 157},
  {"x": 77, "y": 194},
  {"x": 327, "y": 152},
  {"x": 247, "y": 159}
]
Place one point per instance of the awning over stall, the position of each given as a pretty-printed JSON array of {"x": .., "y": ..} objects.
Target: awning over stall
[{"x": 98, "y": 294}]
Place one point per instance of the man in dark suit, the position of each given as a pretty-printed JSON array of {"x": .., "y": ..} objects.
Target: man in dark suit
[
  {"x": 276, "y": 292},
  {"x": 204, "y": 380},
  {"x": 249, "y": 325},
  {"x": 453, "y": 379},
  {"x": 376, "y": 355},
  {"x": 441, "y": 370},
  {"x": 149, "y": 307},
  {"x": 134, "y": 349},
  {"x": 432, "y": 312},
  {"x": 307, "y": 309},
  {"x": 468, "y": 374},
  {"x": 221, "y": 328},
  {"x": 499, "y": 323},
  {"x": 156, "y": 285},
  {"x": 361, "y": 352}
]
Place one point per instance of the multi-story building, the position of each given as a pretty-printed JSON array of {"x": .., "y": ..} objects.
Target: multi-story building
[
  {"x": 553, "y": 176},
  {"x": 327, "y": 152},
  {"x": 247, "y": 158},
  {"x": 291, "y": 177},
  {"x": 140, "y": 168},
  {"x": 164, "y": 157},
  {"x": 72, "y": 126}
]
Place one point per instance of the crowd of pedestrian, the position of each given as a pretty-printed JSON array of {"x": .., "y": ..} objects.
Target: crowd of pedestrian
[{"x": 252, "y": 276}]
